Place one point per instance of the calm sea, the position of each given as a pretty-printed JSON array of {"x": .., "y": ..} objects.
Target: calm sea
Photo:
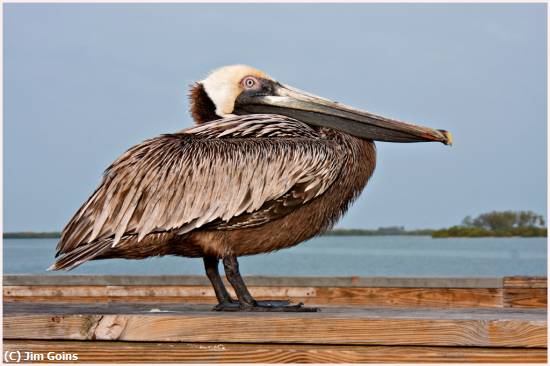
[{"x": 324, "y": 256}]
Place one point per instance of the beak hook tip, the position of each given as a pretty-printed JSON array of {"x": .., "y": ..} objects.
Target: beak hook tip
[{"x": 448, "y": 137}]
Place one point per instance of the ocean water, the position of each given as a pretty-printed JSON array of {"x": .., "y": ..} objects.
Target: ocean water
[{"x": 323, "y": 256}]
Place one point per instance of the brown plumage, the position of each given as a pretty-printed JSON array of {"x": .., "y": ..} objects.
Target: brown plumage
[
  {"x": 234, "y": 184},
  {"x": 207, "y": 181}
]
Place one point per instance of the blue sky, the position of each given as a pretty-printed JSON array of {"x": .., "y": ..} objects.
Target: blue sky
[{"x": 82, "y": 83}]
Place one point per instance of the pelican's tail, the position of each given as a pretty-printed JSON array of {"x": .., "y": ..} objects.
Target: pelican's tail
[{"x": 81, "y": 254}]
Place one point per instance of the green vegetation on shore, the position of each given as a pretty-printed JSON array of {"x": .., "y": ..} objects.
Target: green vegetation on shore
[
  {"x": 498, "y": 224},
  {"x": 474, "y": 232}
]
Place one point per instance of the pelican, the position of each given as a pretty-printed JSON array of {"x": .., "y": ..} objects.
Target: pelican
[{"x": 266, "y": 167}]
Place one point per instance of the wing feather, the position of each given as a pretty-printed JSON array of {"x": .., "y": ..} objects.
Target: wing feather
[{"x": 209, "y": 173}]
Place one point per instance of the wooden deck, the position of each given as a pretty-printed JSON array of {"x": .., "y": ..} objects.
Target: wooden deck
[{"x": 169, "y": 319}]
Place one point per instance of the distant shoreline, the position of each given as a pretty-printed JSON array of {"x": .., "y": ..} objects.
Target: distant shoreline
[
  {"x": 444, "y": 233},
  {"x": 378, "y": 232},
  {"x": 32, "y": 235},
  {"x": 335, "y": 232}
]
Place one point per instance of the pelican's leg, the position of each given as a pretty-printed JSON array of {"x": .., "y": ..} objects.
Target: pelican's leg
[
  {"x": 224, "y": 299},
  {"x": 247, "y": 302}
]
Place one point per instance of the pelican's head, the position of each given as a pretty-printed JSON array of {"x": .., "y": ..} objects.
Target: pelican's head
[{"x": 239, "y": 90}]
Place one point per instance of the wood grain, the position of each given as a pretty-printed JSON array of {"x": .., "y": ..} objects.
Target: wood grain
[
  {"x": 512, "y": 292},
  {"x": 525, "y": 282},
  {"x": 145, "y": 352},
  {"x": 268, "y": 281},
  {"x": 382, "y": 296},
  {"x": 525, "y": 298},
  {"x": 146, "y": 292},
  {"x": 168, "y": 319},
  {"x": 351, "y": 326},
  {"x": 408, "y": 297}
]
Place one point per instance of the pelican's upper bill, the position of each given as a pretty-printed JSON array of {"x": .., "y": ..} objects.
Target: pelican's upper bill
[{"x": 242, "y": 90}]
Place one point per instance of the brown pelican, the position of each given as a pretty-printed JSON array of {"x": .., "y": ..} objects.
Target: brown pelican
[{"x": 267, "y": 167}]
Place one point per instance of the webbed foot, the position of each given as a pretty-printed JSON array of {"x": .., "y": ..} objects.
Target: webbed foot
[
  {"x": 265, "y": 306},
  {"x": 272, "y": 302},
  {"x": 227, "y": 306}
]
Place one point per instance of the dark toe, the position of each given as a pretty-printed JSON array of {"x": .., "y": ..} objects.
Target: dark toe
[
  {"x": 227, "y": 306},
  {"x": 273, "y": 303},
  {"x": 281, "y": 308}
]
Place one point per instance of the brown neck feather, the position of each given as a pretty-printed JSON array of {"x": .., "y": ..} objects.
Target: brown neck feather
[{"x": 202, "y": 108}]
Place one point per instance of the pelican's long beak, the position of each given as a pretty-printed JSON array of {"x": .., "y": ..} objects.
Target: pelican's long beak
[{"x": 318, "y": 111}]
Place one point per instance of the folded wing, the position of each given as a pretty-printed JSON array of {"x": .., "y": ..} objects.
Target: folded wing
[{"x": 210, "y": 173}]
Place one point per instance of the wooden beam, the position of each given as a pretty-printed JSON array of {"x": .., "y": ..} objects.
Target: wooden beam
[
  {"x": 139, "y": 352},
  {"x": 514, "y": 291},
  {"x": 401, "y": 282},
  {"x": 407, "y": 297},
  {"x": 525, "y": 298},
  {"x": 350, "y": 326},
  {"x": 353, "y": 296},
  {"x": 525, "y": 282}
]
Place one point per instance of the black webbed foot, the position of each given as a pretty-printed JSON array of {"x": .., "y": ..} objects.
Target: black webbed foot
[
  {"x": 227, "y": 306},
  {"x": 272, "y": 302},
  {"x": 286, "y": 308},
  {"x": 246, "y": 301},
  {"x": 265, "y": 306}
]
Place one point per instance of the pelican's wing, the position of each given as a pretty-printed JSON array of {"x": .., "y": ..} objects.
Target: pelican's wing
[{"x": 213, "y": 172}]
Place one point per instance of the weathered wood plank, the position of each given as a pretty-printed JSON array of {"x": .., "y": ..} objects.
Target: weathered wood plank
[
  {"x": 407, "y": 297},
  {"x": 353, "y": 281},
  {"x": 354, "y": 296},
  {"x": 352, "y": 326},
  {"x": 525, "y": 282},
  {"x": 145, "y": 352},
  {"x": 147, "y": 292},
  {"x": 529, "y": 292},
  {"x": 525, "y": 298},
  {"x": 144, "y": 308}
]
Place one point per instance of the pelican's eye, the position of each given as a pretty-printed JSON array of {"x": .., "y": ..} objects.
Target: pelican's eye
[{"x": 250, "y": 82}]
